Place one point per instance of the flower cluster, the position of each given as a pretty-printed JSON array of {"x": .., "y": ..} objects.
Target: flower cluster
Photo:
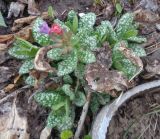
[{"x": 55, "y": 28}]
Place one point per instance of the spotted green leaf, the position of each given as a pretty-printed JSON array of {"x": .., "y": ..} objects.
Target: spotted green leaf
[
  {"x": 84, "y": 33},
  {"x": 55, "y": 54},
  {"x": 103, "y": 98},
  {"x": 49, "y": 98},
  {"x": 80, "y": 99},
  {"x": 30, "y": 80},
  {"x": 26, "y": 67},
  {"x": 67, "y": 79},
  {"x": 94, "y": 105},
  {"x": 79, "y": 71},
  {"x": 90, "y": 42},
  {"x": 124, "y": 24},
  {"x": 137, "y": 39},
  {"x": 58, "y": 119},
  {"x": 71, "y": 15},
  {"x": 87, "y": 20},
  {"x": 105, "y": 31},
  {"x": 137, "y": 50},
  {"x": 68, "y": 65},
  {"x": 22, "y": 49},
  {"x": 86, "y": 56},
  {"x": 121, "y": 63},
  {"x": 41, "y": 38},
  {"x": 67, "y": 90},
  {"x": 2, "y": 22}
]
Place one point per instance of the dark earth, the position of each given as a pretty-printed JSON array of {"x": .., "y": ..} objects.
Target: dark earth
[{"x": 131, "y": 121}]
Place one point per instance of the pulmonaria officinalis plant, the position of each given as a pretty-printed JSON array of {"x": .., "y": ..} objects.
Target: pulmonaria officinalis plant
[{"x": 65, "y": 48}]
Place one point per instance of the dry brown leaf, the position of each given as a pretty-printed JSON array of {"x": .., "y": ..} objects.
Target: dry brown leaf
[
  {"x": 16, "y": 9},
  {"x": 153, "y": 63},
  {"x": 40, "y": 63},
  {"x": 6, "y": 38},
  {"x": 4, "y": 56},
  {"x": 9, "y": 87},
  {"x": 100, "y": 79},
  {"x": 12, "y": 126},
  {"x": 19, "y": 23},
  {"x": 146, "y": 16},
  {"x": 32, "y": 8},
  {"x": 25, "y": 33},
  {"x": 104, "y": 55},
  {"x": 6, "y": 73},
  {"x": 45, "y": 133}
]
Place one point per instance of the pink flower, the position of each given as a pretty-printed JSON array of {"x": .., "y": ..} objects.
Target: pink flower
[{"x": 56, "y": 29}]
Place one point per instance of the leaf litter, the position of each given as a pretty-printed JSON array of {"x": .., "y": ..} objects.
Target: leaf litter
[{"x": 113, "y": 79}]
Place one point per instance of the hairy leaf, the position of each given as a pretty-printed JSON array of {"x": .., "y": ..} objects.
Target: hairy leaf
[
  {"x": 94, "y": 105},
  {"x": 124, "y": 24},
  {"x": 106, "y": 31},
  {"x": 86, "y": 56},
  {"x": 49, "y": 98},
  {"x": 41, "y": 38},
  {"x": 138, "y": 50},
  {"x": 30, "y": 80},
  {"x": 67, "y": 90},
  {"x": 80, "y": 99},
  {"x": 55, "y": 54},
  {"x": 125, "y": 60},
  {"x": 71, "y": 15},
  {"x": 67, "y": 79},
  {"x": 22, "y": 49},
  {"x": 59, "y": 120},
  {"x": 87, "y": 20},
  {"x": 2, "y": 23},
  {"x": 137, "y": 39},
  {"x": 79, "y": 71},
  {"x": 26, "y": 67},
  {"x": 90, "y": 42},
  {"x": 68, "y": 65}
]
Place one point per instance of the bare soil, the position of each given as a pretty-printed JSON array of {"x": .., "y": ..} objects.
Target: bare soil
[{"x": 133, "y": 121}]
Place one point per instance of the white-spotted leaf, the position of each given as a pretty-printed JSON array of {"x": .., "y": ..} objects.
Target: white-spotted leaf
[
  {"x": 26, "y": 67},
  {"x": 67, "y": 90},
  {"x": 86, "y": 56},
  {"x": 49, "y": 98},
  {"x": 68, "y": 65},
  {"x": 80, "y": 99},
  {"x": 55, "y": 54},
  {"x": 124, "y": 24},
  {"x": 87, "y": 20},
  {"x": 41, "y": 38},
  {"x": 57, "y": 119}
]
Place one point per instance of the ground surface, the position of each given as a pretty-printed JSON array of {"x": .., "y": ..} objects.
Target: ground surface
[
  {"x": 132, "y": 122},
  {"x": 131, "y": 112}
]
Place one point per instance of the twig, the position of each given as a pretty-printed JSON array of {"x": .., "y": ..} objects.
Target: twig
[
  {"x": 14, "y": 93},
  {"x": 83, "y": 116}
]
